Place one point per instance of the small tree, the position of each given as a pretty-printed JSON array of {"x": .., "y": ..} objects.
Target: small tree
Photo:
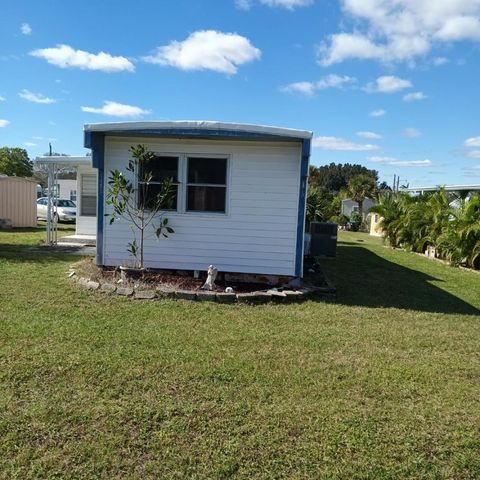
[{"x": 132, "y": 201}]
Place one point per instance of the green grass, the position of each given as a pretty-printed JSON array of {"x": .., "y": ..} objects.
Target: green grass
[{"x": 383, "y": 384}]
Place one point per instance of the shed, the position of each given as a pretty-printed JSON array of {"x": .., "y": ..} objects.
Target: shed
[
  {"x": 349, "y": 206},
  {"x": 17, "y": 201},
  {"x": 240, "y": 202}
]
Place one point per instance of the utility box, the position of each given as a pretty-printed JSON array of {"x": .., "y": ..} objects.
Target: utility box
[{"x": 323, "y": 239}]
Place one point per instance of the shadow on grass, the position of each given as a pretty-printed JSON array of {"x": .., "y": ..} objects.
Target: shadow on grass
[
  {"x": 366, "y": 279},
  {"x": 40, "y": 253}
]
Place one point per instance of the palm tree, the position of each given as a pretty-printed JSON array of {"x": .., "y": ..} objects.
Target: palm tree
[{"x": 361, "y": 187}]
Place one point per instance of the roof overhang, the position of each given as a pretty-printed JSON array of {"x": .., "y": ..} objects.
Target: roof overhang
[
  {"x": 195, "y": 129},
  {"x": 64, "y": 161}
]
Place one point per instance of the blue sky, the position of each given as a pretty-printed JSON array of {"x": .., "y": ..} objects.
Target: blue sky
[{"x": 390, "y": 84}]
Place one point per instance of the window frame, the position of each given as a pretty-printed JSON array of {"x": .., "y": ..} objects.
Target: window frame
[
  {"x": 80, "y": 204},
  {"x": 226, "y": 185},
  {"x": 178, "y": 183},
  {"x": 182, "y": 184}
]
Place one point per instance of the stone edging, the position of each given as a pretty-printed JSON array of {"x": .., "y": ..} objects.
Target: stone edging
[{"x": 327, "y": 293}]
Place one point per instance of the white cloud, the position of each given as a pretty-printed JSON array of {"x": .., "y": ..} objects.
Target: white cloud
[
  {"x": 37, "y": 138},
  {"x": 437, "y": 61},
  {"x": 309, "y": 88},
  {"x": 400, "y": 30},
  {"x": 2, "y": 99},
  {"x": 400, "y": 163},
  {"x": 207, "y": 50},
  {"x": 26, "y": 29},
  {"x": 243, "y": 4},
  {"x": 3, "y": 123},
  {"x": 30, "y": 144},
  {"x": 335, "y": 143},
  {"x": 35, "y": 97},
  {"x": 64, "y": 56},
  {"x": 288, "y": 4},
  {"x": 414, "y": 97},
  {"x": 335, "y": 81},
  {"x": 115, "y": 109},
  {"x": 411, "y": 132},
  {"x": 472, "y": 142},
  {"x": 305, "y": 88},
  {"x": 388, "y": 84},
  {"x": 473, "y": 154},
  {"x": 369, "y": 135},
  {"x": 378, "y": 113}
]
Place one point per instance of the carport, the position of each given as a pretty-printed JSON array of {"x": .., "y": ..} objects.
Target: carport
[{"x": 85, "y": 230}]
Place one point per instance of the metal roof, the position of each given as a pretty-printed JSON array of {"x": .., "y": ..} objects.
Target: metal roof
[
  {"x": 64, "y": 161},
  {"x": 448, "y": 188},
  {"x": 198, "y": 125}
]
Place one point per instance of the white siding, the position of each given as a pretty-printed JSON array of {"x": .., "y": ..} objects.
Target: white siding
[
  {"x": 86, "y": 225},
  {"x": 256, "y": 235}
]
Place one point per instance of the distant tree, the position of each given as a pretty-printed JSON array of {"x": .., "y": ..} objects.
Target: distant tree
[
  {"x": 336, "y": 176},
  {"x": 384, "y": 187},
  {"x": 15, "y": 162},
  {"x": 361, "y": 187}
]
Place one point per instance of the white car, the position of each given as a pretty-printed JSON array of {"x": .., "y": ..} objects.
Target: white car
[{"x": 64, "y": 210}]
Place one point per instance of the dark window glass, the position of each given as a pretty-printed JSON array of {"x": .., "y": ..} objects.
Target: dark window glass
[
  {"x": 206, "y": 199},
  {"x": 88, "y": 195},
  {"x": 161, "y": 168},
  {"x": 207, "y": 170},
  {"x": 151, "y": 192}
]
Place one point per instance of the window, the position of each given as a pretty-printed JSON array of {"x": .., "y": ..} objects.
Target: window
[
  {"x": 161, "y": 168},
  {"x": 206, "y": 184},
  {"x": 73, "y": 195},
  {"x": 88, "y": 195}
]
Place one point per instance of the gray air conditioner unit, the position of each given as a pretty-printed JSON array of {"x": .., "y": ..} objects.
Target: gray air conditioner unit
[{"x": 323, "y": 239}]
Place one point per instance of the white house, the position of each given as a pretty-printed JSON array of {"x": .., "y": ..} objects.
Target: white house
[
  {"x": 240, "y": 202},
  {"x": 349, "y": 206}
]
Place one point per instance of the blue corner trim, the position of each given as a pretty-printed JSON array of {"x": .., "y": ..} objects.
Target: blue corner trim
[
  {"x": 302, "y": 199},
  {"x": 96, "y": 142}
]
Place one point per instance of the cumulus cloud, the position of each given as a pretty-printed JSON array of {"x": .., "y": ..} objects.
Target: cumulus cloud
[
  {"x": 388, "y": 84},
  {"x": 400, "y": 163},
  {"x": 335, "y": 143},
  {"x": 3, "y": 123},
  {"x": 472, "y": 142},
  {"x": 369, "y": 135},
  {"x": 473, "y": 154},
  {"x": 2, "y": 99},
  {"x": 35, "y": 97},
  {"x": 26, "y": 29},
  {"x": 115, "y": 109},
  {"x": 207, "y": 50},
  {"x": 414, "y": 97},
  {"x": 438, "y": 61},
  {"x": 411, "y": 132},
  {"x": 64, "y": 56},
  {"x": 392, "y": 31},
  {"x": 378, "y": 113},
  {"x": 288, "y": 4},
  {"x": 309, "y": 88}
]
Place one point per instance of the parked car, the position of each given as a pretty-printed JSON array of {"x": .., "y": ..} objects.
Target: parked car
[{"x": 64, "y": 210}]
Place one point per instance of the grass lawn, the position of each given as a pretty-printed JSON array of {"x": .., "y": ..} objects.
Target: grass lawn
[{"x": 383, "y": 384}]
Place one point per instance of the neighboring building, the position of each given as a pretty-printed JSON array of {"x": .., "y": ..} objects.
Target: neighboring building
[
  {"x": 240, "y": 202},
  {"x": 18, "y": 202},
  {"x": 349, "y": 206},
  {"x": 85, "y": 187},
  {"x": 375, "y": 228},
  {"x": 67, "y": 188}
]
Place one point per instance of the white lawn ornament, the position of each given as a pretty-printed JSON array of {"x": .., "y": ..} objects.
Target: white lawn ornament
[{"x": 212, "y": 275}]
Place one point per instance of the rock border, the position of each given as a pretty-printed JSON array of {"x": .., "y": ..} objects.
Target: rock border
[{"x": 134, "y": 292}]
